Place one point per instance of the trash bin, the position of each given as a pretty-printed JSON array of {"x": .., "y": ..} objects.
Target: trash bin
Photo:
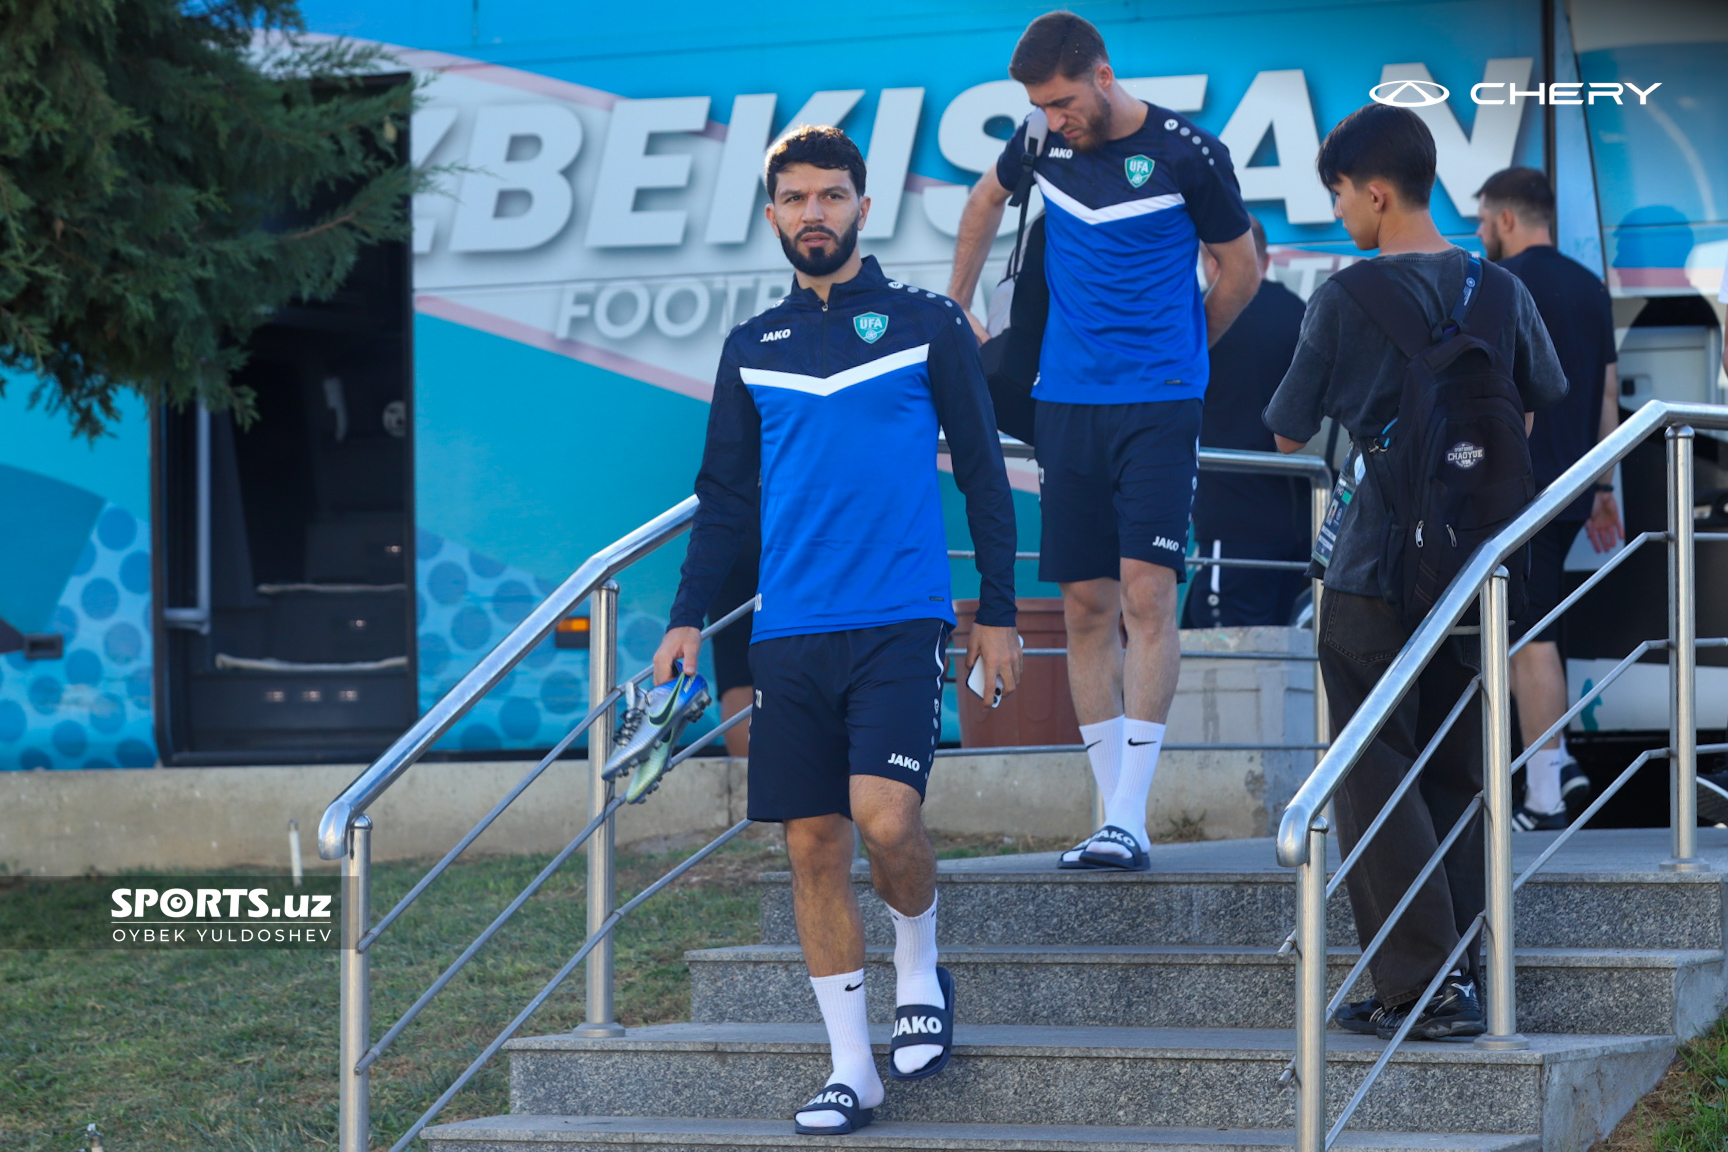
[{"x": 1041, "y": 711}]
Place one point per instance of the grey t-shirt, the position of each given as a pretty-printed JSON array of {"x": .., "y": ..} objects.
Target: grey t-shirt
[{"x": 1346, "y": 368}]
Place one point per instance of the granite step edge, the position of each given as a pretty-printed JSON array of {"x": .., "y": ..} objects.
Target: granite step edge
[
  {"x": 1071, "y": 1041},
  {"x": 1205, "y": 954},
  {"x": 775, "y": 1132}
]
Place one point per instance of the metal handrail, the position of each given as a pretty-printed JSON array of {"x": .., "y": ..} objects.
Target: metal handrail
[
  {"x": 1302, "y": 834},
  {"x": 484, "y": 676},
  {"x": 1349, "y": 744}
]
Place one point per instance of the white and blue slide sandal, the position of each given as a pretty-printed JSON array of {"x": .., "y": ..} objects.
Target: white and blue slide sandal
[
  {"x": 839, "y": 1098},
  {"x": 925, "y": 1024},
  {"x": 1135, "y": 861}
]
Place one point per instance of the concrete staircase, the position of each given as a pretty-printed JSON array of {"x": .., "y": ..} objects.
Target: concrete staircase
[{"x": 1104, "y": 1011}]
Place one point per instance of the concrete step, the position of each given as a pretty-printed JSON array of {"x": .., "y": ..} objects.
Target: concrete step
[
  {"x": 1570, "y": 1089},
  {"x": 1583, "y": 991},
  {"x": 528, "y": 1133},
  {"x": 1232, "y": 893}
]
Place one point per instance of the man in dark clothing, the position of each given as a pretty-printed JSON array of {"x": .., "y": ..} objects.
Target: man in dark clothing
[
  {"x": 1516, "y": 219},
  {"x": 1379, "y": 163},
  {"x": 1256, "y": 517}
]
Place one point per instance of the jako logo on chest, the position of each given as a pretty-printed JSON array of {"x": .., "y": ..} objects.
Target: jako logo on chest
[
  {"x": 1061, "y": 153},
  {"x": 770, "y": 337},
  {"x": 1139, "y": 169}
]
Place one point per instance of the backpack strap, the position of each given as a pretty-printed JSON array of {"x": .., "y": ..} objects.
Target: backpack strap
[
  {"x": 1389, "y": 305},
  {"x": 1037, "y": 133},
  {"x": 1493, "y": 301}
]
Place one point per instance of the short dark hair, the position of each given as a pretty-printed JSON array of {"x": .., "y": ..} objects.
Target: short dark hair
[
  {"x": 1524, "y": 190},
  {"x": 1057, "y": 42},
  {"x": 1378, "y": 140},
  {"x": 820, "y": 146}
]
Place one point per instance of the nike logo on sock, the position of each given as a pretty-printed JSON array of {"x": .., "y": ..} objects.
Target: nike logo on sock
[
  {"x": 1093, "y": 745},
  {"x": 1132, "y": 743},
  {"x": 854, "y": 987}
]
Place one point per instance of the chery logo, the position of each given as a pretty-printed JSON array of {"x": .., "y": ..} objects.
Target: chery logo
[
  {"x": 1426, "y": 93},
  {"x": 1408, "y": 93}
]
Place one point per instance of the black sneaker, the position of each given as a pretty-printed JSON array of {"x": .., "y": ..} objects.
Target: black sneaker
[
  {"x": 1455, "y": 1010},
  {"x": 1575, "y": 789},
  {"x": 1524, "y": 820},
  {"x": 1362, "y": 1017},
  {"x": 1713, "y": 797}
]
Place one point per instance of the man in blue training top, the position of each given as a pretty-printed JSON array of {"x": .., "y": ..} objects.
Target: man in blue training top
[
  {"x": 1130, "y": 192},
  {"x": 824, "y": 425}
]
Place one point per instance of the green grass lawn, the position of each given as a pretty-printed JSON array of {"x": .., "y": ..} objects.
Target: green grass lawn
[
  {"x": 1688, "y": 1110},
  {"x": 236, "y": 1050}
]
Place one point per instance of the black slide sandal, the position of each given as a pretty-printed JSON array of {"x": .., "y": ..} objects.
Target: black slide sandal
[
  {"x": 1135, "y": 861},
  {"x": 834, "y": 1098},
  {"x": 1078, "y": 853},
  {"x": 912, "y": 1026}
]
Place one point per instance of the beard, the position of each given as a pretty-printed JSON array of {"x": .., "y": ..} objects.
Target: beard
[
  {"x": 819, "y": 263},
  {"x": 1096, "y": 123},
  {"x": 1492, "y": 244}
]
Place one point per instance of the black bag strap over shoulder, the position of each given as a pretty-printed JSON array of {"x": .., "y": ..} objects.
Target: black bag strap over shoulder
[
  {"x": 1037, "y": 132},
  {"x": 1390, "y": 305}
]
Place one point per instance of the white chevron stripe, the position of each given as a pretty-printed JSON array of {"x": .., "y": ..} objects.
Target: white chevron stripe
[
  {"x": 828, "y": 385},
  {"x": 1124, "y": 211}
]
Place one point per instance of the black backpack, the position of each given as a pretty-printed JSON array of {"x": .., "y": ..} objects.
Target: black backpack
[
  {"x": 1453, "y": 466},
  {"x": 1011, "y": 357},
  {"x": 1020, "y": 306}
]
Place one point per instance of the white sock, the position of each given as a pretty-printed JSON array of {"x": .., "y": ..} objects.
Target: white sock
[
  {"x": 1141, "y": 740},
  {"x": 915, "y": 978},
  {"x": 1103, "y": 742},
  {"x": 1542, "y": 781},
  {"x": 841, "y": 999}
]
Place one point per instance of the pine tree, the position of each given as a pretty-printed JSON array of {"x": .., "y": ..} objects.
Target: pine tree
[{"x": 171, "y": 173}]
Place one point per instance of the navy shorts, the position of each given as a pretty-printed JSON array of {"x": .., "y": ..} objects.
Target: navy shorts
[
  {"x": 1116, "y": 480},
  {"x": 833, "y": 705}
]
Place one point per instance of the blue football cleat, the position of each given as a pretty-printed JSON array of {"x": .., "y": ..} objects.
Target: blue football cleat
[{"x": 650, "y": 729}]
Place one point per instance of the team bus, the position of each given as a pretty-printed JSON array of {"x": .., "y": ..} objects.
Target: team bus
[{"x": 525, "y": 378}]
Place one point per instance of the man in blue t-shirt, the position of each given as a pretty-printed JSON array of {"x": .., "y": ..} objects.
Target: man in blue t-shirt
[{"x": 1130, "y": 193}]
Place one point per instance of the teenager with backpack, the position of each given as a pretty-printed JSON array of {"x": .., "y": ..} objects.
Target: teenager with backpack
[{"x": 1433, "y": 361}]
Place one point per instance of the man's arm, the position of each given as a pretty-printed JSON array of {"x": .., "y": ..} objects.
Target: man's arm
[
  {"x": 1238, "y": 280},
  {"x": 729, "y": 488},
  {"x": 978, "y": 223},
  {"x": 1604, "y": 528},
  {"x": 963, "y": 406}
]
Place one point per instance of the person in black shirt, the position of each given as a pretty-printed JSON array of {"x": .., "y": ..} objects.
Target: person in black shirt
[
  {"x": 1257, "y": 517},
  {"x": 1515, "y": 215}
]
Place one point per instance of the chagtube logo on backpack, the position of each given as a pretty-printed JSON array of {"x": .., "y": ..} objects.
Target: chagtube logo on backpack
[
  {"x": 1465, "y": 455},
  {"x": 1426, "y": 93}
]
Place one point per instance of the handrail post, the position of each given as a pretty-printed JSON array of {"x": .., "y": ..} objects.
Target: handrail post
[
  {"x": 1682, "y": 659},
  {"x": 354, "y": 1092},
  {"x": 1497, "y": 788},
  {"x": 1311, "y": 994},
  {"x": 602, "y": 678},
  {"x": 1319, "y": 499}
]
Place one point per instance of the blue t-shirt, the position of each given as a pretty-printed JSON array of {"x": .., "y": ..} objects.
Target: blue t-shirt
[
  {"x": 1123, "y": 224},
  {"x": 824, "y": 431}
]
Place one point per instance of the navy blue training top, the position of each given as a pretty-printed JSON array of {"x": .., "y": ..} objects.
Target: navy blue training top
[
  {"x": 824, "y": 426},
  {"x": 1122, "y": 229}
]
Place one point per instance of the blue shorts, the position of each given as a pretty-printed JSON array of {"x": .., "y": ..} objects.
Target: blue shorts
[
  {"x": 833, "y": 705},
  {"x": 1116, "y": 480}
]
